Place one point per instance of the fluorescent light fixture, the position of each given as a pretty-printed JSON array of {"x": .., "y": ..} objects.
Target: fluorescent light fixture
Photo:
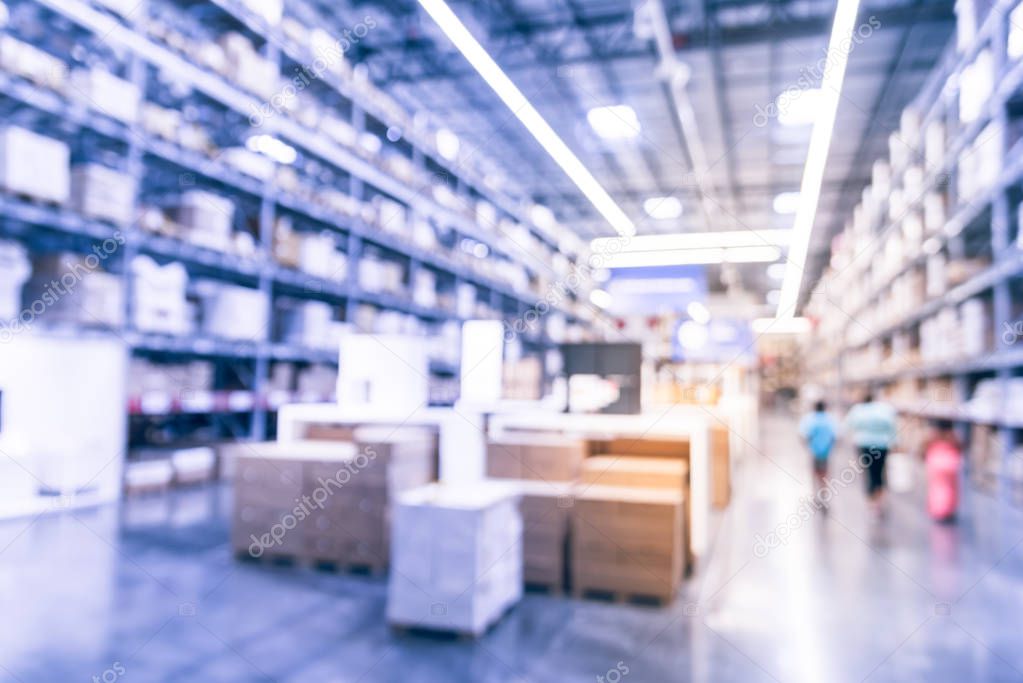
[
  {"x": 816, "y": 159},
  {"x": 447, "y": 144},
  {"x": 788, "y": 325},
  {"x": 786, "y": 203},
  {"x": 776, "y": 271},
  {"x": 600, "y": 298},
  {"x": 802, "y": 107},
  {"x": 663, "y": 208},
  {"x": 523, "y": 109},
  {"x": 279, "y": 151},
  {"x": 693, "y": 240},
  {"x": 688, "y": 257},
  {"x": 698, "y": 312},
  {"x": 616, "y": 122}
]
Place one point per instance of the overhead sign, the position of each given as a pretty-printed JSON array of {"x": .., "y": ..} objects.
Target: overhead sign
[{"x": 661, "y": 289}]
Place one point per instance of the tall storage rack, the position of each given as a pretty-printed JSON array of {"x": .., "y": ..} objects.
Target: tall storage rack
[
  {"x": 469, "y": 247},
  {"x": 922, "y": 298}
]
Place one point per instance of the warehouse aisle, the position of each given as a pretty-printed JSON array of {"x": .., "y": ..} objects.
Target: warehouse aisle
[{"x": 149, "y": 591}]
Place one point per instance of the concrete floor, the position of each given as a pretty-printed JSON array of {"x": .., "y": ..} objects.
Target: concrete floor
[{"x": 148, "y": 591}]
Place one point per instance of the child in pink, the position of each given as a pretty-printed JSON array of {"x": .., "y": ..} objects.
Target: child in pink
[{"x": 943, "y": 458}]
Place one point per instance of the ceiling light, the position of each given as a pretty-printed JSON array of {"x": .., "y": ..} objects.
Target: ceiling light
[
  {"x": 600, "y": 298},
  {"x": 816, "y": 159},
  {"x": 663, "y": 208},
  {"x": 801, "y": 107},
  {"x": 698, "y": 312},
  {"x": 279, "y": 151},
  {"x": 447, "y": 144},
  {"x": 617, "y": 122},
  {"x": 688, "y": 257},
  {"x": 523, "y": 109},
  {"x": 781, "y": 325},
  {"x": 776, "y": 271},
  {"x": 693, "y": 240},
  {"x": 786, "y": 202}
]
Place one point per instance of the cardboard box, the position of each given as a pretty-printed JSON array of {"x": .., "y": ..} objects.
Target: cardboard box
[
  {"x": 160, "y": 303},
  {"x": 103, "y": 193},
  {"x": 32, "y": 63},
  {"x": 457, "y": 552},
  {"x": 208, "y": 219},
  {"x": 627, "y": 541},
  {"x": 720, "y": 466},
  {"x": 655, "y": 473},
  {"x": 535, "y": 456},
  {"x": 34, "y": 165},
  {"x": 642, "y": 447},
  {"x": 82, "y": 296},
  {"x": 546, "y": 508},
  {"x": 232, "y": 312},
  {"x": 106, "y": 93}
]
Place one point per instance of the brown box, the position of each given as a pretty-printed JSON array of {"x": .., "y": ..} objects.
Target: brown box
[
  {"x": 535, "y": 456},
  {"x": 655, "y": 473},
  {"x": 720, "y": 467},
  {"x": 642, "y": 447},
  {"x": 546, "y": 510},
  {"x": 627, "y": 541}
]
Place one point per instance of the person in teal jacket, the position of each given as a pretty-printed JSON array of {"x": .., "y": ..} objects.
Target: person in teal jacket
[
  {"x": 872, "y": 425},
  {"x": 819, "y": 431}
]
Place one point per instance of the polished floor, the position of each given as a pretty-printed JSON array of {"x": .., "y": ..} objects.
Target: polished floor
[{"x": 148, "y": 591}]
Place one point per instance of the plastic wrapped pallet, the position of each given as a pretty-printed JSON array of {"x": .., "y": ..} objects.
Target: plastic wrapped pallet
[
  {"x": 160, "y": 303},
  {"x": 457, "y": 557},
  {"x": 232, "y": 312},
  {"x": 627, "y": 542},
  {"x": 103, "y": 193},
  {"x": 15, "y": 270},
  {"x": 74, "y": 292},
  {"x": 538, "y": 456},
  {"x": 34, "y": 165},
  {"x": 106, "y": 93},
  {"x": 208, "y": 219},
  {"x": 32, "y": 63}
]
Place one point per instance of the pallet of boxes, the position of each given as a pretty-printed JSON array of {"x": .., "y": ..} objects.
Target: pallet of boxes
[
  {"x": 609, "y": 524},
  {"x": 327, "y": 503}
]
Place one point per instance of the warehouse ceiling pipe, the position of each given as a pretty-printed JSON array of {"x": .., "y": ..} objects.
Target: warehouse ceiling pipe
[
  {"x": 816, "y": 159},
  {"x": 524, "y": 110}
]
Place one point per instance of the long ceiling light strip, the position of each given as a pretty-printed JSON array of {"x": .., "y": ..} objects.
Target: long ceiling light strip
[
  {"x": 694, "y": 240},
  {"x": 521, "y": 107},
  {"x": 692, "y": 257},
  {"x": 816, "y": 159}
]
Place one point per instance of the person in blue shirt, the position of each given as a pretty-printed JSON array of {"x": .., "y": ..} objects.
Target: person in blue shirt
[
  {"x": 819, "y": 431},
  {"x": 872, "y": 424}
]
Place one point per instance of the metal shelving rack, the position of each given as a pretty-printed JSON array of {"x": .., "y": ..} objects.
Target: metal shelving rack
[
  {"x": 143, "y": 55},
  {"x": 989, "y": 215}
]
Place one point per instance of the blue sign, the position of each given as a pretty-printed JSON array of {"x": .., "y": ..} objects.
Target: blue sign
[
  {"x": 721, "y": 340},
  {"x": 658, "y": 289}
]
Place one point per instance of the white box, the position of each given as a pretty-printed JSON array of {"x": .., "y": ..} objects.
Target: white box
[
  {"x": 205, "y": 212},
  {"x": 316, "y": 254},
  {"x": 160, "y": 302},
  {"x": 383, "y": 371},
  {"x": 232, "y": 312},
  {"x": 456, "y": 553},
  {"x": 308, "y": 324},
  {"x": 32, "y": 63},
  {"x": 103, "y": 193},
  {"x": 15, "y": 270},
  {"x": 34, "y": 165},
  {"x": 106, "y": 93},
  {"x": 247, "y": 68}
]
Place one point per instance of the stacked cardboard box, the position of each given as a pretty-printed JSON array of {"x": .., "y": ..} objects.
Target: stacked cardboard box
[
  {"x": 457, "y": 556},
  {"x": 545, "y": 507},
  {"x": 669, "y": 474},
  {"x": 73, "y": 292},
  {"x": 535, "y": 456},
  {"x": 103, "y": 193},
  {"x": 627, "y": 541},
  {"x": 232, "y": 312},
  {"x": 339, "y": 494},
  {"x": 720, "y": 466},
  {"x": 34, "y": 165},
  {"x": 160, "y": 303}
]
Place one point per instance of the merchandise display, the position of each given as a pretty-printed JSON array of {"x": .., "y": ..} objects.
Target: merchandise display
[{"x": 510, "y": 341}]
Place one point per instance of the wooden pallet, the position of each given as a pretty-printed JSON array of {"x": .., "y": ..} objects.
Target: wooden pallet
[
  {"x": 622, "y": 597},
  {"x": 317, "y": 564},
  {"x": 551, "y": 588}
]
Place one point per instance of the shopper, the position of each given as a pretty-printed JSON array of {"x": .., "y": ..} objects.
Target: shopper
[
  {"x": 819, "y": 431},
  {"x": 872, "y": 424},
  {"x": 942, "y": 458}
]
